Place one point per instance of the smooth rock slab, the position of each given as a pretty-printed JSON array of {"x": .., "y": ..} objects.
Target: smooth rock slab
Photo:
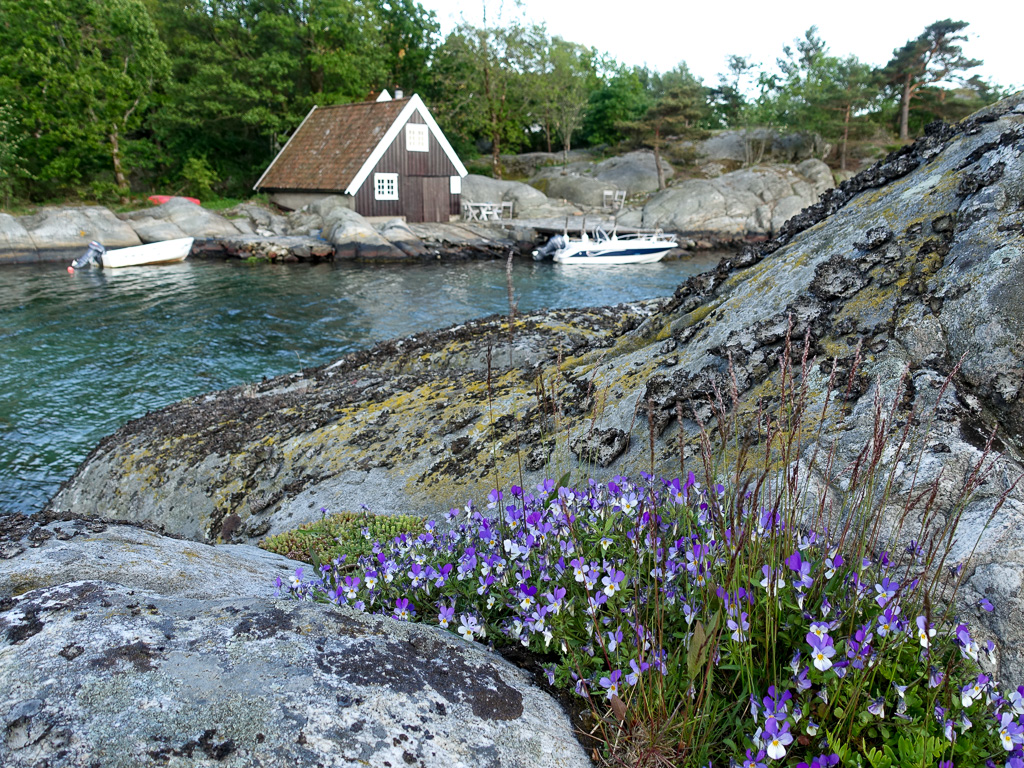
[
  {"x": 65, "y": 231},
  {"x": 97, "y": 676},
  {"x": 180, "y": 215},
  {"x": 16, "y": 245},
  {"x": 752, "y": 201},
  {"x": 42, "y": 556}
]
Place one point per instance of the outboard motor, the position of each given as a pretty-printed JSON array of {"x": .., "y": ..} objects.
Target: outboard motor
[
  {"x": 555, "y": 244},
  {"x": 91, "y": 256}
]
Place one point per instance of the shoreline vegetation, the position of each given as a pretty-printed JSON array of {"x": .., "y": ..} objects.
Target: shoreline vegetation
[
  {"x": 111, "y": 101},
  {"x": 749, "y": 617}
]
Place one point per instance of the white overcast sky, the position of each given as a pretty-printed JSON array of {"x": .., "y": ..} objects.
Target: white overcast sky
[{"x": 660, "y": 34}]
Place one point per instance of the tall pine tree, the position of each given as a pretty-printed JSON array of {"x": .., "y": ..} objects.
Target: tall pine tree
[{"x": 933, "y": 57}]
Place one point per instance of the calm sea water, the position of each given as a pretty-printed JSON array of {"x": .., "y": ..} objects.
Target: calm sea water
[{"x": 82, "y": 354}]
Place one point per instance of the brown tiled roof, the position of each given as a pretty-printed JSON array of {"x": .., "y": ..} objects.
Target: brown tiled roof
[{"x": 330, "y": 147}]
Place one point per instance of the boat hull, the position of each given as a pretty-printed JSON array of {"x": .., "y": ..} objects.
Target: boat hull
[
  {"x": 614, "y": 251},
  {"x": 611, "y": 258},
  {"x": 166, "y": 252}
]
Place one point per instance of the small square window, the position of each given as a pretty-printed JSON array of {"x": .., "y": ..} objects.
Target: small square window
[
  {"x": 416, "y": 137},
  {"x": 385, "y": 186},
  {"x": 455, "y": 185}
]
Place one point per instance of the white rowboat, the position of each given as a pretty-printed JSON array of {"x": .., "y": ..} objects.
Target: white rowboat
[{"x": 166, "y": 252}]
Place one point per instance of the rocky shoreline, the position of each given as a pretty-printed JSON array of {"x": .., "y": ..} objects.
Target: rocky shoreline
[{"x": 725, "y": 211}]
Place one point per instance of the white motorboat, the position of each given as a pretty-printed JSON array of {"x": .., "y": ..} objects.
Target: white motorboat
[
  {"x": 639, "y": 248},
  {"x": 165, "y": 252}
]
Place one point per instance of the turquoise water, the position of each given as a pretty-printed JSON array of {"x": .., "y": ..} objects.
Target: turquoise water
[{"x": 82, "y": 354}]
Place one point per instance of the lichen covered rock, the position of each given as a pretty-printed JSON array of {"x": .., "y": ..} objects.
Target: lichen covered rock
[
  {"x": 122, "y": 647},
  {"x": 902, "y": 278},
  {"x": 95, "y": 674}
]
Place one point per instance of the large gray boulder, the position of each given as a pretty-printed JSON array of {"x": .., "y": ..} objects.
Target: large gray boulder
[
  {"x": 398, "y": 233},
  {"x": 581, "y": 190},
  {"x": 760, "y": 145},
  {"x": 528, "y": 163},
  {"x": 121, "y": 647},
  {"x": 634, "y": 172},
  {"x": 180, "y": 218},
  {"x": 57, "y": 232},
  {"x": 755, "y": 201},
  {"x": 527, "y": 201},
  {"x": 352, "y": 236},
  {"x": 16, "y": 244},
  {"x": 584, "y": 181},
  {"x": 39, "y": 553},
  {"x": 261, "y": 219}
]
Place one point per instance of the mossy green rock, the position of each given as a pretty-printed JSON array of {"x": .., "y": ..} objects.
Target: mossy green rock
[{"x": 897, "y": 275}]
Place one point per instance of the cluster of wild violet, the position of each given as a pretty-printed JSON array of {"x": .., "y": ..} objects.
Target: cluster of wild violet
[{"x": 811, "y": 655}]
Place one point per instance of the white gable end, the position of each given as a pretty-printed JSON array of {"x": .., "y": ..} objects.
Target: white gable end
[{"x": 415, "y": 105}]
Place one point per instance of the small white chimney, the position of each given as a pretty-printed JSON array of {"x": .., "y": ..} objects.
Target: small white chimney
[{"x": 398, "y": 93}]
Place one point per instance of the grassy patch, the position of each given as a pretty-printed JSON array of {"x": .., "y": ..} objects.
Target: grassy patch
[{"x": 348, "y": 534}]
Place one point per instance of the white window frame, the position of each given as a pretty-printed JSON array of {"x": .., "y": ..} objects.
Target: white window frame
[
  {"x": 417, "y": 137},
  {"x": 455, "y": 185},
  {"x": 385, "y": 186}
]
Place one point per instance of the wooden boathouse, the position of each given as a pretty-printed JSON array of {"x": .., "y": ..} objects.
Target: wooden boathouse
[{"x": 387, "y": 157}]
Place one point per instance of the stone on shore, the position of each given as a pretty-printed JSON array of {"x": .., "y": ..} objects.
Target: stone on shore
[
  {"x": 352, "y": 236},
  {"x": 16, "y": 244},
  {"x": 178, "y": 214},
  {"x": 122, "y": 647},
  {"x": 399, "y": 234},
  {"x": 752, "y": 201},
  {"x": 527, "y": 201},
  {"x": 58, "y": 232}
]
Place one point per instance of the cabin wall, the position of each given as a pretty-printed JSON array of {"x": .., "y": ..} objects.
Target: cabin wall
[{"x": 398, "y": 160}]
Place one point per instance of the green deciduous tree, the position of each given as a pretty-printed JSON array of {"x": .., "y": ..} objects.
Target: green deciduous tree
[
  {"x": 409, "y": 34},
  {"x": 245, "y": 73},
  {"x": 10, "y": 153},
  {"x": 480, "y": 87},
  {"x": 623, "y": 99},
  {"x": 933, "y": 57},
  {"x": 559, "y": 80},
  {"x": 81, "y": 76},
  {"x": 824, "y": 94}
]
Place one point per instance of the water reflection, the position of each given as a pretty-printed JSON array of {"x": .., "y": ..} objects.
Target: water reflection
[{"x": 84, "y": 353}]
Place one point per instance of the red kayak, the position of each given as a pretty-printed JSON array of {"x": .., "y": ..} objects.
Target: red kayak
[{"x": 161, "y": 199}]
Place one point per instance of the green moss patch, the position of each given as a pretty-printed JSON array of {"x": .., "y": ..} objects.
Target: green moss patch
[{"x": 348, "y": 533}]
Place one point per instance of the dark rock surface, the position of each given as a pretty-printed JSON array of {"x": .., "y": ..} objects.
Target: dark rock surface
[{"x": 122, "y": 647}]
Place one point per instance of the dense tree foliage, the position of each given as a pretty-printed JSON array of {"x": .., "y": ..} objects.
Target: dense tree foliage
[
  {"x": 99, "y": 98},
  {"x": 79, "y": 75},
  {"x": 680, "y": 110},
  {"x": 933, "y": 57}
]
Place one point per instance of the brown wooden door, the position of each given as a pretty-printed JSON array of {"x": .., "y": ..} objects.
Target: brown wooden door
[
  {"x": 425, "y": 198},
  {"x": 435, "y": 198},
  {"x": 412, "y": 197}
]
